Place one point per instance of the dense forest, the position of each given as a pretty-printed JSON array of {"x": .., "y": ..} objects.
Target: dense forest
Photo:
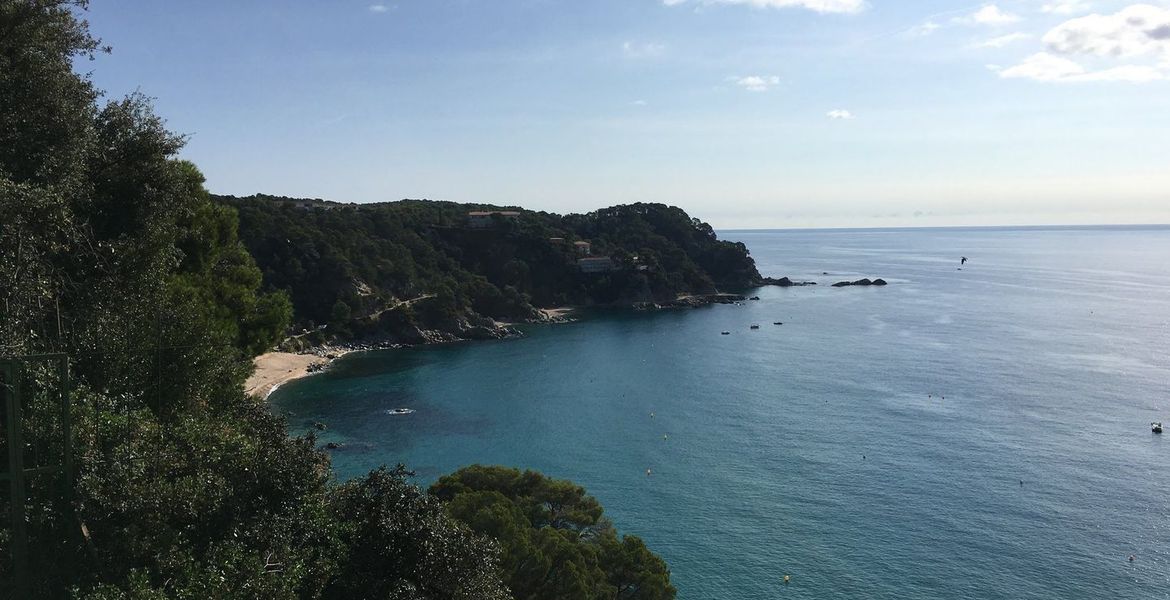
[
  {"x": 342, "y": 263},
  {"x": 174, "y": 483}
]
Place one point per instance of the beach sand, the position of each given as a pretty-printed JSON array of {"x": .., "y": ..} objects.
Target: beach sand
[{"x": 275, "y": 368}]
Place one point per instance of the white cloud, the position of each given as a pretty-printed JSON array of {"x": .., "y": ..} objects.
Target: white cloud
[
  {"x": 639, "y": 103},
  {"x": 642, "y": 50},
  {"x": 379, "y": 8},
  {"x": 839, "y": 114},
  {"x": 755, "y": 83},
  {"x": 923, "y": 29},
  {"x": 1047, "y": 67},
  {"x": 1003, "y": 40},
  {"x": 1043, "y": 67},
  {"x": 821, "y": 6},
  {"x": 1066, "y": 7},
  {"x": 990, "y": 15},
  {"x": 1137, "y": 30}
]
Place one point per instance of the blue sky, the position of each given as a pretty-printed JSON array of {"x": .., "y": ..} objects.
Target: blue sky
[{"x": 747, "y": 113}]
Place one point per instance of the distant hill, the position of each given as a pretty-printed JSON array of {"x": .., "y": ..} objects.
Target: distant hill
[{"x": 369, "y": 269}]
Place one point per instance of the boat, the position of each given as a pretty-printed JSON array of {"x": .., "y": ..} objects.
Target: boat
[
  {"x": 754, "y": 298},
  {"x": 726, "y": 333},
  {"x": 755, "y": 327},
  {"x": 400, "y": 411},
  {"x": 778, "y": 323},
  {"x": 1156, "y": 427}
]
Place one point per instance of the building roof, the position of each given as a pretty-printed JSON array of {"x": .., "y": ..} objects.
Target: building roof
[{"x": 582, "y": 244}]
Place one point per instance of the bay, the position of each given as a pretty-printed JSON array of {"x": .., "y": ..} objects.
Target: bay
[{"x": 973, "y": 433}]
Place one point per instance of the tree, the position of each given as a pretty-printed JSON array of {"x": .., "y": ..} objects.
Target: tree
[
  {"x": 554, "y": 538},
  {"x": 341, "y": 313},
  {"x": 112, "y": 252},
  {"x": 400, "y": 544}
]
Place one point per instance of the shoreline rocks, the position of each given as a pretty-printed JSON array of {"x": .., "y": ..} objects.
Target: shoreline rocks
[
  {"x": 785, "y": 282},
  {"x": 691, "y": 302}
]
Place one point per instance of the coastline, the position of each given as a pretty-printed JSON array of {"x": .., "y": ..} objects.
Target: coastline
[{"x": 273, "y": 369}]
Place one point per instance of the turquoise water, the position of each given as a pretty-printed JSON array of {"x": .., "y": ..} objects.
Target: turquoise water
[{"x": 822, "y": 448}]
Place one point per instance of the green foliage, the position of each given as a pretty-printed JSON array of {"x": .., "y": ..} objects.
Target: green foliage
[
  {"x": 401, "y": 544},
  {"x": 555, "y": 541},
  {"x": 341, "y": 313},
  {"x": 112, "y": 252},
  {"x": 211, "y": 504}
]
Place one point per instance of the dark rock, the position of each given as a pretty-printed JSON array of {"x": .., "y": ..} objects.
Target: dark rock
[
  {"x": 785, "y": 282},
  {"x": 319, "y": 426},
  {"x": 861, "y": 282},
  {"x": 692, "y": 301},
  {"x": 332, "y": 445},
  {"x": 482, "y": 333}
]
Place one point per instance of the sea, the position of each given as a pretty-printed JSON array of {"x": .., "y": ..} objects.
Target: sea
[{"x": 978, "y": 430}]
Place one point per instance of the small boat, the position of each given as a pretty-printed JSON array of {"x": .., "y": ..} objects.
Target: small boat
[
  {"x": 725, "y": 333},
  {"x": 755, "y": 326},
  {"x": 778, "y": 323},
  {"x": 754, "y": 298},
  {"x": 1156, "y": 427},
  {"x": 400, "y": 411}
]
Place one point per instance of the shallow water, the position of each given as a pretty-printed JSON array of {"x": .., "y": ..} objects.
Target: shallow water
[{"x": 823, "y": 448}]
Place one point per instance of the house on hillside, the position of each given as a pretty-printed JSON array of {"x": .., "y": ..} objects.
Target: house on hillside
[
  {"x": 480, "y": 219},
  {"x": 584, "y": 248},
  {"x": 596, "y": 264}
]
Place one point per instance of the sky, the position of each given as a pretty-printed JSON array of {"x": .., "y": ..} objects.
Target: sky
[{"x": 746, "y": 113}]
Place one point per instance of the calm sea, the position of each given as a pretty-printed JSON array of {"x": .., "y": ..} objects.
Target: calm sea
[{"x": 823, "y": 448}]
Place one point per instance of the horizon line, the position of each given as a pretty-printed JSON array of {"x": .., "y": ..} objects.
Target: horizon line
[{"x": 904, "y": 227}]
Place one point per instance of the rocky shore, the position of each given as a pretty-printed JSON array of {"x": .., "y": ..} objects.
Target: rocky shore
[
  {"x": 692, "y": 301},
  {"x": 293, "y": 362},
  {"x": 785, "y": 282}
]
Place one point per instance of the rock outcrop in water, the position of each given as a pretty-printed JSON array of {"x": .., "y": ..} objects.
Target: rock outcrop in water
[
  {"x": 861, "y": 282},
  {"x": 785, "y": 282}
]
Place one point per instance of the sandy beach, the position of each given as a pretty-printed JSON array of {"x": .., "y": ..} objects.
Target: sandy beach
[{"x": 275, "y": 368}]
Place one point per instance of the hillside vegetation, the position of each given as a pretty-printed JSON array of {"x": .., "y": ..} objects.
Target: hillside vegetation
[{"x": 342, "y": 263}]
